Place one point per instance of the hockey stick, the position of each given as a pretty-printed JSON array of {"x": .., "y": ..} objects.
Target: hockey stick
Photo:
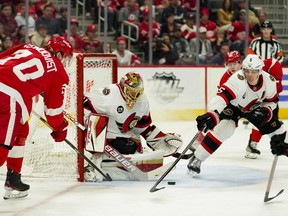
[
  {"x": 267, "y": 198},
  {"x": 154, "y": 188},
  {"x": 128, "y": 165},
  {"x": 106, "y": 176}
]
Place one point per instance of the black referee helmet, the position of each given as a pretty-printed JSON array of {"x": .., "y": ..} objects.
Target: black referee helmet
[{"x": 266, "y": 24}]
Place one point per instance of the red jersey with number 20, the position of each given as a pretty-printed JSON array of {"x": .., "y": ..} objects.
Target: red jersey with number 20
[{"x": 26, "y": 71}]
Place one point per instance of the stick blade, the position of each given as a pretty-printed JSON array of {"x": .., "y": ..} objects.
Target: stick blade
[
  {"x": 267, "y": 199},
  {"x": 154, "y": 189}
]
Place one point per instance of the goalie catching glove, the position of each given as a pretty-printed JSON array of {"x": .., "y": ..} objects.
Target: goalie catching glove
[
  {"x": 59, "y": 134},
  {"x": 279, "y": 145},
  {"x": 157, "y": 140},
  {"x": 207, "y": 121}
]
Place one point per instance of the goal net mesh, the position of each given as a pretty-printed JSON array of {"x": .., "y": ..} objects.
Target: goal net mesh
[{"x": 47, "y": 159}]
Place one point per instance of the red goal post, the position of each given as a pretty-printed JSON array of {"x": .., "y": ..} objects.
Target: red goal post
[{"x": 44, "y": 157}]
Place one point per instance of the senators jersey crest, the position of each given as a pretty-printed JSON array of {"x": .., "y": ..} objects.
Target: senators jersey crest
[{"x": 240, "y": 77}]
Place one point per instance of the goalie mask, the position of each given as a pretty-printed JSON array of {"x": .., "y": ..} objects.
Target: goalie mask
[{"x": 131, "y": 86}]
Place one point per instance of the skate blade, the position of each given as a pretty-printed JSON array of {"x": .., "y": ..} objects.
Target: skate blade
[
  {"x": 192, "y": 173},
  {"x": 14, "y": 194},
  {"x": 251, "y": 156}
]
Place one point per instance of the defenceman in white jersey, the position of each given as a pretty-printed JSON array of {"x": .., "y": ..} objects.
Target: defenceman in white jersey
[
  {"x": 127, "y": 108},
  {"x": 250, "y": 93}
]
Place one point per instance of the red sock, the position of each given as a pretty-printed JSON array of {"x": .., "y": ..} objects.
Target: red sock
[
  {"x": 15, "y": 164},
  {"x": 255, "y": 135}
]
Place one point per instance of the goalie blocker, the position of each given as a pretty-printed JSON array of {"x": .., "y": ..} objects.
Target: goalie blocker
[{"x": 128, "y": 153}]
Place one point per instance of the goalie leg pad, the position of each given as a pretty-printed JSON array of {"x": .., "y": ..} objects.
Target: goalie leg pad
[
  {"x": 168, "y": 143},
  {"x": 90, "y": 174}
]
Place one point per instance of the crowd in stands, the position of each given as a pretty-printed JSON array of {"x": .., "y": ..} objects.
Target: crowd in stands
[{"x": 174, "y": 29}]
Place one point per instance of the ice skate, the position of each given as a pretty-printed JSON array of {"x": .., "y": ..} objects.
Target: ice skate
[
  {"x": 14, "y": 187},
  {"x": 194, "y": 166},
  {"x": 251, "y": 150}
]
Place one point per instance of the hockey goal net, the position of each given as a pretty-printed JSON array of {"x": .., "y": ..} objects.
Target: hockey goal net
[{"x": 45, "y": 158}]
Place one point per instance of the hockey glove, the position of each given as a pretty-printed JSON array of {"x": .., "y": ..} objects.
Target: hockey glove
[
  {"x": 60, "y": 133},
  {"x": 262, "y": 114},
  {"x": 207, "y": 121},
  {"x": 278, "y": 146}
]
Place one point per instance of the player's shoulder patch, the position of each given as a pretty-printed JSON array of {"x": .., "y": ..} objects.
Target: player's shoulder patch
[
  {"x": 272, "y": 78},
  {"x": 240, "y": 77},
  {"x": 106, "y": 91}
]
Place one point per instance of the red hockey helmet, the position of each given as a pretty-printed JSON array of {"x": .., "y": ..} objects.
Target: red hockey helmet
[
  {"x": 60, "y": 44},
  {"x": 132, "y": 87},
  {"x": 233, "y": 56}
]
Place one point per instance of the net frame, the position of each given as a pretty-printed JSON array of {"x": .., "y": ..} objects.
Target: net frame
[{"x": 84, "y": 77}]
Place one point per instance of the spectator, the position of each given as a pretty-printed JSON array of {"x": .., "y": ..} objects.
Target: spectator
[
  {"x": 252, "y": 12},
  {"x": 182, "y": 47},
  {"x": 189, "y": 5},
  {"x": 237, "y": 33},
  {"x": 125, "y": 57},
  {"x": 169, "y": 26},
  {"x": 225, "y": 15},
  {"x": 256, "y": 28},
  {"x": 74, "y": 45},
  {"x": 132, "y": 8},
  {"x": 77, "y": 40},
  {"x": 53, "y": 28},
  {"x": 219, "y": 58},
  {"x": 144, "y": 28},
  {"x": 62, "y": 20},
  {"x": 40, "y": 5},
  {"x": 8, "y": 21},
  {"x": 20, "y": 19},
  {"x": 111, "y": 9},
  {"x": 41, "y": 34},
  {"x": 266, "y": 46},
  {"x": 2, "y": 35},
  {"x": 205, "y": 48},
  {"x": 189, "y": 30},
  {"x": 20, "y": 36},
  {"x": 90, "y": 41},
  {"x": 176, "y": 9},
  {"x": 163, "y": 51},
  {"x": 220, "y": 37},
  {"x": 7, "y": 43},
  {"x": 208, "y": 24},
  {"x": 161, "y": 5}
]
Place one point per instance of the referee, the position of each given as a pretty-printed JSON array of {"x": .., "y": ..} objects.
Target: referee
[{"x": 266, "y": 46}]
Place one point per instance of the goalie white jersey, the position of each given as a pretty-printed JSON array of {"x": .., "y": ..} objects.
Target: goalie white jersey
[
  {"x": 239, "y": 93},
  {"x": 123, "y": 122}
]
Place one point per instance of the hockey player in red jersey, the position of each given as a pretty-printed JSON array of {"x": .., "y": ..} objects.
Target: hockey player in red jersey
[
  {"x": 250, "y": 93},
  {"x": 26, "y": 71},
  {"x": 273, "y": 67},
  {"x": 127, "y": 108}
]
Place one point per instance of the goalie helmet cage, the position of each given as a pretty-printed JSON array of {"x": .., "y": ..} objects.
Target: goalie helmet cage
[{"x": 43, "y": 157}]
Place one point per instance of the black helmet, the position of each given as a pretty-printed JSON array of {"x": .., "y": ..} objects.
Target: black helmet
[{"x": 266, "y": 24}]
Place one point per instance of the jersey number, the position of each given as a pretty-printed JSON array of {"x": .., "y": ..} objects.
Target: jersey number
[{"x": 33, "y": 67}]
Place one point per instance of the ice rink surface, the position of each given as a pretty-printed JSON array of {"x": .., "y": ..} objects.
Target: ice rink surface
[{"x": 228, "y": 184}]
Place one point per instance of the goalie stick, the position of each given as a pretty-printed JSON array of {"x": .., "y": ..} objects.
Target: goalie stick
[
  {"x": 154, "y": 188},
  {"x": 129, "y": 166},
  {"x": 266, "y": 197},
  {"x": 106, "y": 176}
]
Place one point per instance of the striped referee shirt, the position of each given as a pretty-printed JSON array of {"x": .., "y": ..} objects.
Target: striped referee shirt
[{"x": 266, "y": 49}]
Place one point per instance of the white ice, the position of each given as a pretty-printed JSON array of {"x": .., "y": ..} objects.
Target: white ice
[{"x": 228, "y": 184}]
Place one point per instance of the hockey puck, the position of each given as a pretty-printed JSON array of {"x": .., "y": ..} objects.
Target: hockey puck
[{"x": 171, "y": 183}]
